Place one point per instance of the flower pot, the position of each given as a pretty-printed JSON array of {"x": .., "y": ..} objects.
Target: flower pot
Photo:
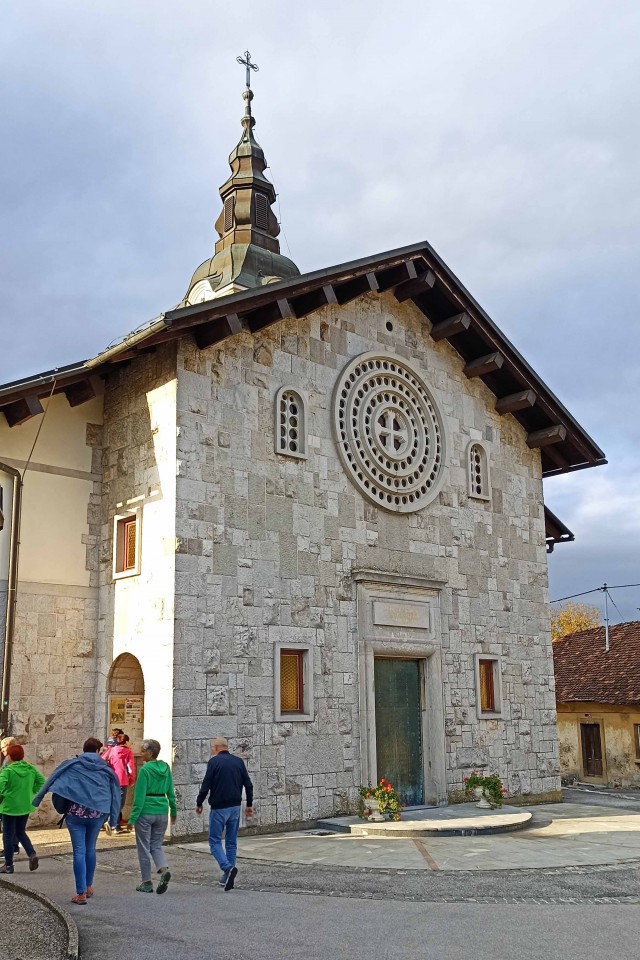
[
  {"x": 375, "y": 815},
  {"x": 483, "y": 804}
]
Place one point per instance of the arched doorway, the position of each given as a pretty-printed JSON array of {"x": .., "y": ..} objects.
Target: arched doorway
[{"x": 125, "y": 692}]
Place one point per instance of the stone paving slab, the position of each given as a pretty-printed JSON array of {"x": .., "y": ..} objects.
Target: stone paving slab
[
  {"x": 463, "y": 819},
  {"x": 568, "y": 835}
]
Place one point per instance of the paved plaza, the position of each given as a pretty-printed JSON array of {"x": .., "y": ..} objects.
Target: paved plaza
[{"x": 569, "y": 885}]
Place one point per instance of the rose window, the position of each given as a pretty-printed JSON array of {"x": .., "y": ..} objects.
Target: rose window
[{"x": 389, "y": 432}]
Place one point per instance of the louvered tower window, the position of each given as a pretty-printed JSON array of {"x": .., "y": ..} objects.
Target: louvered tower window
[
  {"x": 262, "y": 211},
  {"x": 228, "y": 214}
]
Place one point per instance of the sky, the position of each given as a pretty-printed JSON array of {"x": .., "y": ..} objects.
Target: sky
[{"x": 505, "y": 134}]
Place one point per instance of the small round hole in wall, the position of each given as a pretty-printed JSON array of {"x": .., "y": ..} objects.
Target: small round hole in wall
[{"x": 389, "y": 326}]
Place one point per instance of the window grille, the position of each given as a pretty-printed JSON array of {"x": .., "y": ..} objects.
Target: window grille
[
  {"x": 228, "y": 214},
  {"x": 290, "y": 424},
  {"x": 478, "y": 476},
  {"x": 126, "y": 544},
  {"x": 262, "y": 211},
  {"x": 291, "y": 681}
]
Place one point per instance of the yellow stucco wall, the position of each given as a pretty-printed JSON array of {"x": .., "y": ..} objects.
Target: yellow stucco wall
[
  {"x": 620, "y": 765},
  {"x": 56, "y": 492}
]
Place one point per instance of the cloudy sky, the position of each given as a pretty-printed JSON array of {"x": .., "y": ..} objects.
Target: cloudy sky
[{"x": 505, "y": 134}]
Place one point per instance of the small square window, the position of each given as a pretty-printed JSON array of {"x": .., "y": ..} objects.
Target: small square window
[
  {"x": 488, "y": 686},
  {"x": 126, "y": 544},
  {"x": 293, "y": 682}
]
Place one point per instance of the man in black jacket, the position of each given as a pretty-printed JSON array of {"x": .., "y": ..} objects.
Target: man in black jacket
[{"x": 224, "y": 779}]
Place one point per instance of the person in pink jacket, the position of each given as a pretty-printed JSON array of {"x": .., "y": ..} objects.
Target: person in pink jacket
[{"x": 121, "y": 760}]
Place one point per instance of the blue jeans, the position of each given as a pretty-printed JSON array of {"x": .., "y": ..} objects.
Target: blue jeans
[
  {"x": 14, "y": 829},
  {"x": 227, "y": 819},
  {"x": 84, "y": 836}
]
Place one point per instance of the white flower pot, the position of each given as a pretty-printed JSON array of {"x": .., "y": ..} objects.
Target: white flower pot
[
  {"x": 483, "y": 804},
  {"x": 375, "y": 816}
]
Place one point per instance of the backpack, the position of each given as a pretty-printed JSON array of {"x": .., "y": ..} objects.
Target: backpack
[{"x": 60, "y": 805}]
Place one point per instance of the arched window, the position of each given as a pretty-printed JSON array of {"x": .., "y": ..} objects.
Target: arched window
[
  {"x": 290, "y": 426},
  {"x": 478, "y": 471}
]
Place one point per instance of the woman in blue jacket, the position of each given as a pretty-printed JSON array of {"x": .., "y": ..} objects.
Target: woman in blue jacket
[{"x": 93, "y": 792}]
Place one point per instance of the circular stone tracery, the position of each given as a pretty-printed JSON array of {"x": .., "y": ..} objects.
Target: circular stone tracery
[{"x": 389, "y": 432}]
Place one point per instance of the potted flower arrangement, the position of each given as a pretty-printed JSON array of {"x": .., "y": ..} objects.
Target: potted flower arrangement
[
  {"x": 488, "y": 790},
  {"x": 380, "y": 801}
]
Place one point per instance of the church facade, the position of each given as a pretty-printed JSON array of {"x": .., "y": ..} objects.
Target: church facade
[{"x": 302, "y": 512}]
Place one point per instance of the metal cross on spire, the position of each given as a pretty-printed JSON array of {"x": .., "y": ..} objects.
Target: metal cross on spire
[{"x": 246, "y": 62}]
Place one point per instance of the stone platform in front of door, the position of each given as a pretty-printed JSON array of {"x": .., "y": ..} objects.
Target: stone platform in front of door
[
  {"x": 560, "y": 835},
  {"x": 459, "y": 820}
]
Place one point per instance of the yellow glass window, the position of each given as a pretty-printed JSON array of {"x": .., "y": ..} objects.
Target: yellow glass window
[
  {"x": 291, "y": 692},
  {"x": 487, "y": 686},
  {"x": 129, "y": 545}
]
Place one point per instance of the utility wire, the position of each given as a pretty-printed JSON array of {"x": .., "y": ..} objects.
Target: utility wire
[
  {"x": 618, "y": 586},
  {"x": 26, "y": 466}
]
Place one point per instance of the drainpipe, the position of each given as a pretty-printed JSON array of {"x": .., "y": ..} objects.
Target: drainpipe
[{"x": 12, "y": 586}]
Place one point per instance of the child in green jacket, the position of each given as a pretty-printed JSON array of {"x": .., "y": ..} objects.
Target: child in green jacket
[
  {"x": 19, "y": 783},
  {"x": 153, "y": 800}
]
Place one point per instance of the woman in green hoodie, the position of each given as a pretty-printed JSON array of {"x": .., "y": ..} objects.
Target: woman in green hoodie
[
  {"x": 19, "y": 783},
  {"x": 153, "y": 799}
]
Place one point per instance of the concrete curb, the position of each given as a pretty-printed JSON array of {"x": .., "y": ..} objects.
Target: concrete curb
[{"x": 67, "y": 922}]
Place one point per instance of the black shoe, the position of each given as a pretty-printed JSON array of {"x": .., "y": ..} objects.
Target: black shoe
[
  {"x": 231, "y": 879},
  {"x": 7, "y": 868},
  {"x": 33, "y": 862}
]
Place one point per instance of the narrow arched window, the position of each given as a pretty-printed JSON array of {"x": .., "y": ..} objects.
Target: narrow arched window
[
  {"x": 290, "y": 425},
  {"x": 478, "y": 471}
]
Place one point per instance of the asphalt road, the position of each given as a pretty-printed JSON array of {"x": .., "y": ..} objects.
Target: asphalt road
[{"x": 291, "y": 912}]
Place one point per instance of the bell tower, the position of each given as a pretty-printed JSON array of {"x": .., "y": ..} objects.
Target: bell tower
[{"x": 247, "y": 253}]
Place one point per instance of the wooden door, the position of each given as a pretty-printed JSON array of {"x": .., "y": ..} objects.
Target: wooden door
[
  {"x": 591, "y": 749},
  {"x": 399, "y": 727}
]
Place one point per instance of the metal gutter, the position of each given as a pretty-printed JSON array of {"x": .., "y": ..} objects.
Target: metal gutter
[
  {"x": 160, "y": 323},
  {"x": 12, "y": 588}
]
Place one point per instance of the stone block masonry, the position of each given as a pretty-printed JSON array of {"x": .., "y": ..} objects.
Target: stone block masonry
[{"x": 273, "y": 543}]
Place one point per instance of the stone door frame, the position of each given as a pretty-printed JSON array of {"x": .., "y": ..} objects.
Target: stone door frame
[{"x": 414, "y": 602}]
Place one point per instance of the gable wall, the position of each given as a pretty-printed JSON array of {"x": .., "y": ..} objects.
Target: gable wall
[{"x": 267, "y": 547}]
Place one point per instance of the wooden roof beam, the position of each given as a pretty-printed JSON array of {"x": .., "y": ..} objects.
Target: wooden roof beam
[
  {"x": 304, "y": 305},
  {"x": 352, "y": 289},
  {"x": 207, "y": 334},
  {"x": 547, "y": 436},
  {"x": 413, "y": 288},
  {"x": 450, "y": 327},
  {"x": 83, "y": 391},
  {"x": 483, "y": 365},
  {"x": 22, "y": 410},
  {"x": 516, "y": 401},
  {"x": 387, "y": 279},
  {"x": 270, "y": 313}
]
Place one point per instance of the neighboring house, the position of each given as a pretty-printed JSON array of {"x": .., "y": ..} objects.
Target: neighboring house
[
  {"x": 302, "y": 512},
  {"x": 598, "y": 704}
]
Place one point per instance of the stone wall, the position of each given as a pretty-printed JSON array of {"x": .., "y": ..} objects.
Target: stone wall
[
  {"x": 267, "y": 546},
  {"x": 139, "y": 470}
]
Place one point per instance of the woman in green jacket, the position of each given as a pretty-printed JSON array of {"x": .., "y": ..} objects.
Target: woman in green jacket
[
  {"x": 19, "y": 783},
  {"x": 153, "y": 799}
]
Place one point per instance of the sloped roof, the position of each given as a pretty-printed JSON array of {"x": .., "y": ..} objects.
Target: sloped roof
[
  {"x": 414, "y": 273},
  {"x": 586, "y": 672}
]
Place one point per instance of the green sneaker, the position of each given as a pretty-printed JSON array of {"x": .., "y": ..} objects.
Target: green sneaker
[
  {"x": 165, "y": 876},
  {"x": 145, "y": 887}
]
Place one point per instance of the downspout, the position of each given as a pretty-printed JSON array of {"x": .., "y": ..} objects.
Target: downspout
[{"x": 12, "y": 587}]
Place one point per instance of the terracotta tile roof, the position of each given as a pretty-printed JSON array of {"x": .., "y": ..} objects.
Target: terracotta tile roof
[{"x": 586, "y": 672}]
